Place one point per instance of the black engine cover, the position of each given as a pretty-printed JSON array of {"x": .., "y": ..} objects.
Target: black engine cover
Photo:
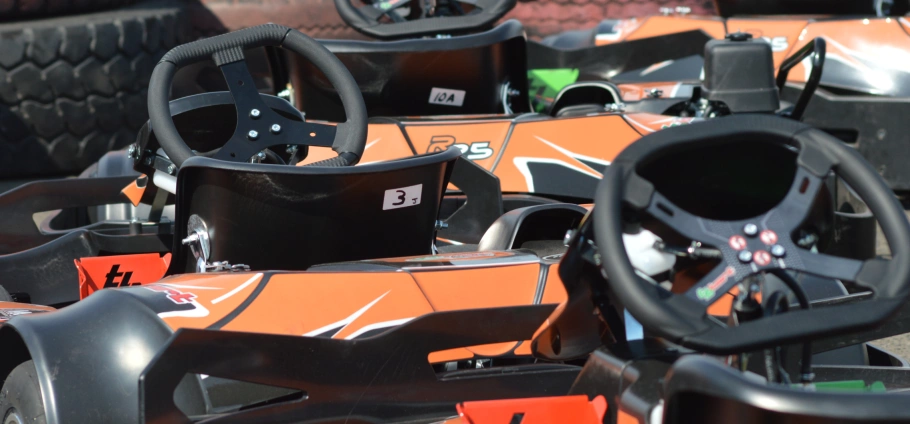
[{"x": 739, "y": 72}]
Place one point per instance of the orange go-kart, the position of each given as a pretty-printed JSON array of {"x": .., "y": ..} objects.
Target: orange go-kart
[
  {"x": 860, "y": 98},
  {"x": 863, "y": 46}
]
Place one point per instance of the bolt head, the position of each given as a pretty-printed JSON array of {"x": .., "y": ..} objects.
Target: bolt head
[
  {"x": 750, "y": 229},
  {"x": 172, "y": 169},
  {"x": 778, "y": 250},
  {"x": 252, "y": 135},
  {"x": 275, "y": 129},
  {"x": 255, "y": 113},
  {"x": 745, "y": 256},
  {"x": 190, "y": 239}
]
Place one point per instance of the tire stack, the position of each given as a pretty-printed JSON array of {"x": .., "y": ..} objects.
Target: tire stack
[{"x": 73, "y": 79}]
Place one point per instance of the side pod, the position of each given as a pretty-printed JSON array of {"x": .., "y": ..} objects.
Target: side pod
[
  {"x": 89, "y": 356},
  {"x": 386, "y": 377}
]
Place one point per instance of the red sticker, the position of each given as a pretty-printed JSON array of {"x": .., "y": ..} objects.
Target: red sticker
[
  {"x": 173, "y": 294},
  {"x": 738, "y": 242},
  {"x": 762, "y": 258},
  {"x": 768, "y": 237},
  {"x": 96, "y": 273}
]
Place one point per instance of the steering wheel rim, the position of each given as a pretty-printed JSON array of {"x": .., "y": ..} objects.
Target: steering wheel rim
[
  {"x": 682, "y": 318},
  {"x": 347, "y": 138},
  {"x": 366, "y": 20}
]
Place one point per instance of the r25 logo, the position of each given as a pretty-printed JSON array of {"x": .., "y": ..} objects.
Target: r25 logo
[{"x": 473, "y": 151}]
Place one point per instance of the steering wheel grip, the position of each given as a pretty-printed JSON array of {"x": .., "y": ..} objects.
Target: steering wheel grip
[
  {"x": 676, "y": 317},
  {"x": 350, "y": 136},
  {"x": 490, "y": 12}
]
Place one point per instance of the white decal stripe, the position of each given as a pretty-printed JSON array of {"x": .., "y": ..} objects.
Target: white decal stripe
[
  {"x": 572, "y": 154},
  {"x": 237, "y": 289},
  {"x": 183, "y": 286},
  {"x": 656, "y": 67},
  {"x": 378, "y": 325},
  {"x": 345, "y": 322},
  {"x": 637, "y": 124},
  {"x": 675, "y": 90},
  {"x": 370, "y": 144},
  {"x": 895, "y": 62}
]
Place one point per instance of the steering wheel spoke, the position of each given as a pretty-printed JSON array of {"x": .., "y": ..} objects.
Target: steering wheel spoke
[
  {"x": 309, "y": 133},
  {"x": 242, "y": 87},
  {"x": 796, "y": 205},
  {"x": 258, "y": 126},
  {"x": 827, "y": 266},
  {"x": 694, "y": 227}
]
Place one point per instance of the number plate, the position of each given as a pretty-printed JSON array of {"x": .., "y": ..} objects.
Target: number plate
[
  {"x": 402, "y": 197},
  {"x": 446, "y": 96}
]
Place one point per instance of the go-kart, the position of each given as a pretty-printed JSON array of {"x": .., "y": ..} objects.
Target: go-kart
[
  {"x": 861, "y": 94},
  {"x": 94, "y": 218},
  {"x": 662, "y": 58},
  {"x": 414, "y": 342}
]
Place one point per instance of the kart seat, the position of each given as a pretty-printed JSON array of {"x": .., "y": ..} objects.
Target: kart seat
[
  {"x": 293, "y": 217},
  {"x": 424, "y": 77},
  {"x": 699, "y": 389}
]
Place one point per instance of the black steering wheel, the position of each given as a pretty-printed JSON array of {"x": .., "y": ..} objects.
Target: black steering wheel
[
  {"x": 427, "y": 17},
  {"x": 258, "y": 126},
  {"x": 759, "y": 244}
]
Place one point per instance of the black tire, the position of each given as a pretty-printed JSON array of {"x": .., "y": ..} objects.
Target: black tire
[
  {"x": 12, "y": 10},
  {"x": 21, "y": 395},
  {"x": 74, "y": 88}
]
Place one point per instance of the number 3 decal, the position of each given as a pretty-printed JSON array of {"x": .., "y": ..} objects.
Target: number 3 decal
[{"x": 400, "y": 197}]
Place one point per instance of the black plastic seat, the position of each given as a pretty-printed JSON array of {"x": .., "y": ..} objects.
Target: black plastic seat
[
  {"x": 397, "y": 78},
  {"x": 292, "y": 217},
  {"x": 699, "y": 389}
]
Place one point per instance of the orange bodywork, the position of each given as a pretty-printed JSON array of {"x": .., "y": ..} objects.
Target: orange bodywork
[
  {"x": 546, "y": 410},
  {"x": 350, "y": 305},
  {"x": 647, "y": 123},
  {"x": 883, "y": 41},
  {"x": 134, "y": 190},
  {"x": 502, "y": 145},
  {"x": 653, "y": 26}
]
